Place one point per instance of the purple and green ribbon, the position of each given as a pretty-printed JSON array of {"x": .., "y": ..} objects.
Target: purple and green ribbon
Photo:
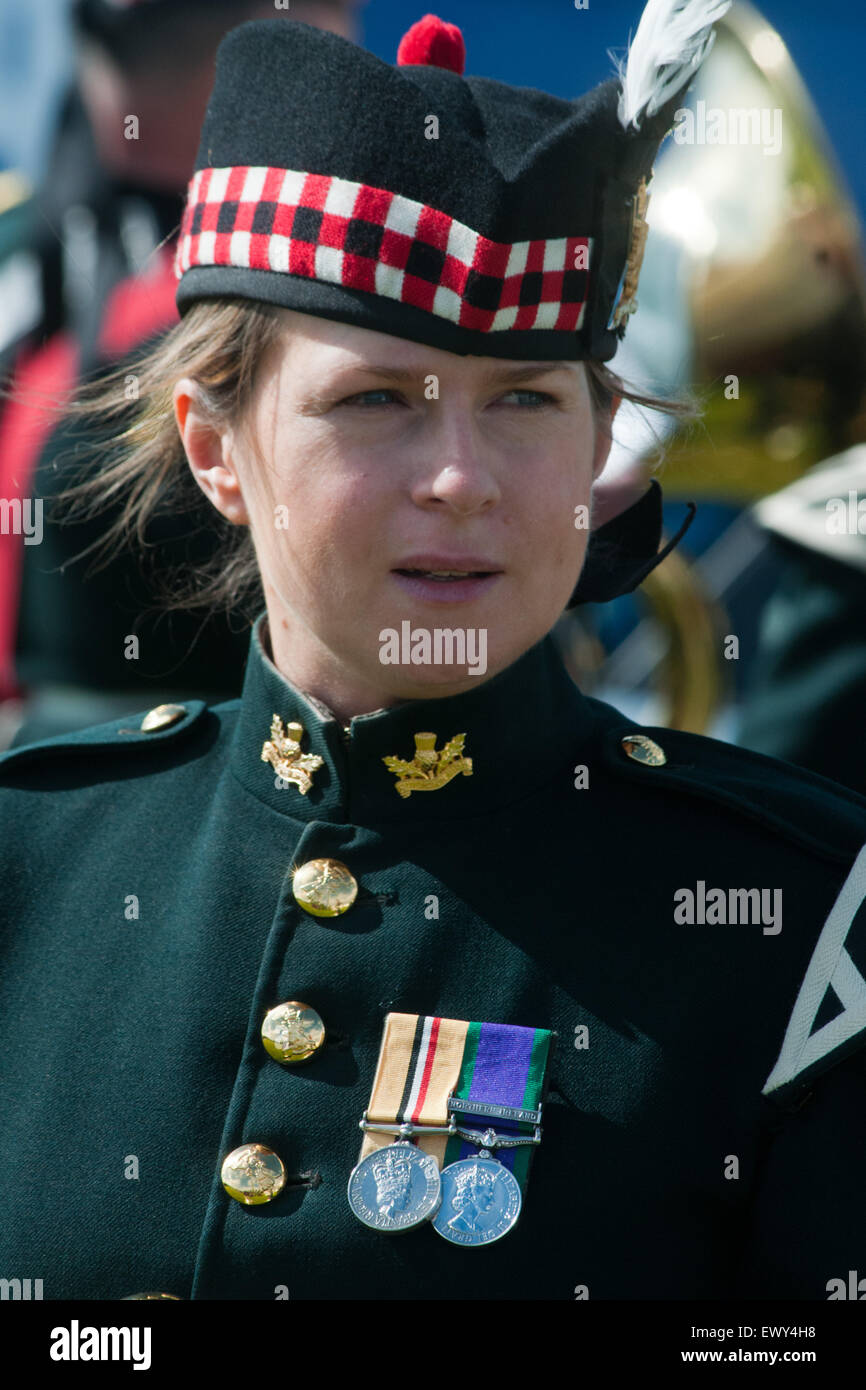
[{"x": 502, "y": 1065}]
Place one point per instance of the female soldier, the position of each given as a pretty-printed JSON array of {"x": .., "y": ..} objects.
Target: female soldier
[{"x": 376, "y": 887}]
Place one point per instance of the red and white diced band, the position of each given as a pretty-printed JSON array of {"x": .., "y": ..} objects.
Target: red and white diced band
[{"x": 367, "y": 238}]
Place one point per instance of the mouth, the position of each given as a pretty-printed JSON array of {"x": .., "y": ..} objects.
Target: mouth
[
  {"x": 445, "y": 576},
  {"x": 436, "y": 585}
]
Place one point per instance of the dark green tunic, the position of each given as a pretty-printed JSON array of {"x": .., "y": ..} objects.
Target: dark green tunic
[{"x": 125, "y": 1035}]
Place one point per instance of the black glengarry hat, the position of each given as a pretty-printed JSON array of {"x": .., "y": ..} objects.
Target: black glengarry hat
[{"x": 507, "y": 227}]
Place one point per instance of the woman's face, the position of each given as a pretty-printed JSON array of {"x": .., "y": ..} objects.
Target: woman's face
[{"x": 377, "y": 460}]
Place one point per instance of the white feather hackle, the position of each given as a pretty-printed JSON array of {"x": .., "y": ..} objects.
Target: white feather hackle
[{"x": 672, "y": 40}]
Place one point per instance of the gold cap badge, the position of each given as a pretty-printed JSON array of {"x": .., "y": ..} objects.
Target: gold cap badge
[
  {"x": 283, "y": 751},
  {"x": 429, "y": 769},
  {"x": 639, "y": 228}
]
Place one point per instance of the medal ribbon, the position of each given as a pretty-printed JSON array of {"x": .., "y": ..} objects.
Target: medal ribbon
[
  {"x": 419, "y": 1064},
  {"x": 502, "y": 1065},
  {"x": 424, "y": 1059}
]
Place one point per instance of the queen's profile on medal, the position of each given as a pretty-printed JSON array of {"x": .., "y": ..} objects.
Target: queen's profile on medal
[
  {"x": 472, "y": 1196},
  {"x": 395, "y": 1188},
  {"x": 393, "y": 1175}
]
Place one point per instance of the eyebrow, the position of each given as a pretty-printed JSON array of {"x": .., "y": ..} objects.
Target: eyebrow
[{"x": 496, "y": 373}]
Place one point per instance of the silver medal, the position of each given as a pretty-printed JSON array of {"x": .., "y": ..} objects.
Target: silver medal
[
  {"x": 395, "y": 1188},
  {"x": 480, "y": 1201}
]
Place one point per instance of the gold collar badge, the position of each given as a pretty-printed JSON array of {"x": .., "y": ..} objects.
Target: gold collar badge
[
  {"x": 283, "y": 752},
  {"x": 429, "y": 769}
]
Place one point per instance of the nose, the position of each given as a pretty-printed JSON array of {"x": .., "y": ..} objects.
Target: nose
[{"x": 457, "y": 469}]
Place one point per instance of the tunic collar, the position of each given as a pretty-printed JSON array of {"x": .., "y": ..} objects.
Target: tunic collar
[{"x": 522, "y": 727}]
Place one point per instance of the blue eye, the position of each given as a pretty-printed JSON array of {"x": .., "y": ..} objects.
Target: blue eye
[
  {"x": 537, "y": 398},
  {"x": 363, "y": 397}
]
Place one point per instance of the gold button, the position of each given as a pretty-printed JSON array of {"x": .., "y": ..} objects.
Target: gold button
[
  {"x": 253, "y": 1174},
  {"x": 162, "y": 717},
  {"x": 292, "y": 1032},
  {"x": 131, "y": 1297},
  {"x": 324, "y": 887},
  {"x": 644, "y": 750}
]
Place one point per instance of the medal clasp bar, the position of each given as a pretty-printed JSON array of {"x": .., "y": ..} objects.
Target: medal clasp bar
[
  {"x": 494, "y": 1112},
  {"x": 406, "y": 1130},
  {"x": 488, "y": 1138}
]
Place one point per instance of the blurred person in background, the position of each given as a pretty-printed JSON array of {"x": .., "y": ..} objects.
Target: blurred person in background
[
  {"x": 96, "y": 286},
  {"x": 807, "y": 689}
]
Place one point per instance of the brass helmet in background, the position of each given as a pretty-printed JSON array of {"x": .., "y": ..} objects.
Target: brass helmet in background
[{"x": 752, "y": 294}]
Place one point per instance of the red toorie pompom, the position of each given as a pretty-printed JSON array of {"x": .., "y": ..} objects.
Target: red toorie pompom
[{"x": 433, "y": 43}]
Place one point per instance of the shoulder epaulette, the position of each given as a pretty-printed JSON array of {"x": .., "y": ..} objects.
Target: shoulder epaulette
[
  {"x": 807, "y": 809},
  {"x": 163, "y": 724}
]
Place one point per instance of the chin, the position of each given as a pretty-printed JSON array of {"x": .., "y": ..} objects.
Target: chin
[{"x": 438, "y": 682}]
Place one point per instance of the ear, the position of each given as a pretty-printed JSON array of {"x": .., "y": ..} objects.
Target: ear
[
  {"x": 209, "y": 454},
  {"x": 604, "y": 440}
]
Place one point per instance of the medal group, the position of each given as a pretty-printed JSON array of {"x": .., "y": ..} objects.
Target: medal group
[{"x": 443, "y": 1082}]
